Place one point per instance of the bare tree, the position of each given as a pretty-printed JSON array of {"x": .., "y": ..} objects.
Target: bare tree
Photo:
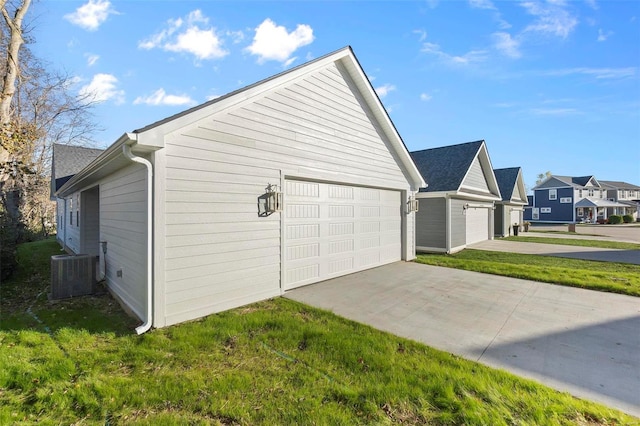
[
  {"x": 37, "y": 108},
  {"x": 542, "y": 177}
]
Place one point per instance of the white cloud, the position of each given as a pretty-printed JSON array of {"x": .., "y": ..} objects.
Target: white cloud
[
  {"x": 602, "y": 36},
  {"x": 422, "y": 34},
  {"x": 91, "y": 15},
  {"x": 385, "y": 89},
  {"x": 592, "y": 4},
  {"x": 551, "y": 18},
  {"x": 160, "y": 97},
  {"x": 236, "y": 36},
  {"x": 507, "y": 45},
  {"x": 189, "y": 35},
  {"x": 598, "y": 73},
  {"x": 555, "y": 111},
  {"x": 482, "y": 4},
  {"x": 273, "y": 42},
  {"x": 473, "y": 56},
  {"x": 102, "y": 87},
  {"x": 425, "y": 97},
  {"x": 91, "y": 59}
]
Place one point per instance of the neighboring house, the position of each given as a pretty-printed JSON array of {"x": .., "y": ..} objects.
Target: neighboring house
[
  {"x": 509, "y": 211},
  {"x": 622, "y": 193},
  {"x": 568, "y": 199},
  {"x": 295, "y": 179},
  {"x": 66, "y": 161},
  {"x": 456, "y": 209}
]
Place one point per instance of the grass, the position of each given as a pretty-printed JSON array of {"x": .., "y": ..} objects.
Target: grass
[
  {"x": 620, "y": 278},
  {"x": 274, "y": 362},
  {"x": 577, "y": 242}
]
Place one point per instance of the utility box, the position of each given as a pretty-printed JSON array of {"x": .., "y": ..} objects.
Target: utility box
[{"x": 72, "y": 276}]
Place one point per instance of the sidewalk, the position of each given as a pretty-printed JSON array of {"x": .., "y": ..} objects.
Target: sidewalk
[{"x": 573, "y": 252}]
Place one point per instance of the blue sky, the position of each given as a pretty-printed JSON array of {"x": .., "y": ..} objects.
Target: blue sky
[{"x": 549, "y": 85}]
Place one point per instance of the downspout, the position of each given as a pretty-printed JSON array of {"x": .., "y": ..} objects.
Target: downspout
[{"x": 126, "y": 149}]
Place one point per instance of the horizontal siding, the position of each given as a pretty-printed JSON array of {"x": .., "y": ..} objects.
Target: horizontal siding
[
  {"x": 458, "y": 224},
  {"x": 123, "y": 218},
  {"x": 476, "y": 178},
  {"x": 220, "y": 252},
  {"x": 431, "y": 223}
]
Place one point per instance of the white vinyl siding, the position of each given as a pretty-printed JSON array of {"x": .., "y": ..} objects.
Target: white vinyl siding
[
  {"x": 123, "y": 215},
  {"x": 332, "y": 230},
  {"x": 72, "y": 229},
  {"x": 476, "y": 178},
  {"x": 219, "y": 252}
]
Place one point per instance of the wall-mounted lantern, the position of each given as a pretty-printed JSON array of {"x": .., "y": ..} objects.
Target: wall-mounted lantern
[
  {"x": 413, "y": 205},
  {"x": 274, "y": 199}
]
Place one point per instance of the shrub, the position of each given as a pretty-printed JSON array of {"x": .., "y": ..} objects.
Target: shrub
[
  {"x": 614, "y": 219},
  {"x": 627, "y": 218},
  {"x": 601, "y": 221}
]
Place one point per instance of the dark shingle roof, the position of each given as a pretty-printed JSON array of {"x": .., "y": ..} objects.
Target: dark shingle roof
[
  {"x": 618, "y": 185},
  {"x": 69, "y": 160},
  {"x": 445, "y": 167},
  {"x": 506, "y": 181}
]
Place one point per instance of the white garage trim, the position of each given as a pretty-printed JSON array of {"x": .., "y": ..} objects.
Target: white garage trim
[{"x": 333, "y": 229}]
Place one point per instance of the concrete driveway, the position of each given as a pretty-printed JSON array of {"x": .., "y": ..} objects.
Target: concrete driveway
[{"x": 580, "y": 341}]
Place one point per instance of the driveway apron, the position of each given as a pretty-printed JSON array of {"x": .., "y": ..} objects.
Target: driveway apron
[{"x": 580, "y": 341}]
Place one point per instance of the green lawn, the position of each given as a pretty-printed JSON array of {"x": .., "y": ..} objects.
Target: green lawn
[
  {"x": 604, "y": 276},
  {"x": 275, "y": 362},
  {"x": 576, "y": 242}
]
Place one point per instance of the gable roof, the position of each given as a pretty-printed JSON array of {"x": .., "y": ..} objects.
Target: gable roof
[
  {"x": 445, "y": 168},
  {"x": 151, "y": 137},
  {"x": 612, "y": 184},
  {"x": 571, "y": 181},
  {"x": 510, "y": 179},
  {"x": 67, "y": 160}
]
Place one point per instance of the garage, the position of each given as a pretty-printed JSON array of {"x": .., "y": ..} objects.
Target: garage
[
  {"x": 477, "y": 224},
  {"x": 515, "y": 216},
  {"x": 333, "y": 230}
]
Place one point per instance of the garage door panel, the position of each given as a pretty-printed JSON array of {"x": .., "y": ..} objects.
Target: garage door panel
[
  {"x": 477, "y": 223},
  {"x": 332, "y": 230}
]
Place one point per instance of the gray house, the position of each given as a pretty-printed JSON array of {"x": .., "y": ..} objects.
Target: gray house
[
  {"x": 456, "y": 209},
  {"x": 293, "y": 180},
  {"x": 509, "y": 211},
  {"x": 66, "y": 161}
]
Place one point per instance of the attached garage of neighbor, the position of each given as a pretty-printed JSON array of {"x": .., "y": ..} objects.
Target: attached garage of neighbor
[
  {"x": 456, "y": 209},
  {"x": 293, "y": 180},
  {"x": 477, "y": 224}
]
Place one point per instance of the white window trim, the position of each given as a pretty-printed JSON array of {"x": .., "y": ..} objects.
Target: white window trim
[{"x": 555, "y": 194}]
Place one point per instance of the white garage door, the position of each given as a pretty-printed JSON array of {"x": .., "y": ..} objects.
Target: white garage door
[
  {"x": 477, "y": 224},
  {"x": 333, "y": 230},
  {"x": 515, "y": 218}
]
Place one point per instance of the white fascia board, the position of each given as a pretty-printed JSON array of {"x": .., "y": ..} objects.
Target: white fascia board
[
  {"x": 483, "y": 156},
  {"x": 106, "y": 157}
]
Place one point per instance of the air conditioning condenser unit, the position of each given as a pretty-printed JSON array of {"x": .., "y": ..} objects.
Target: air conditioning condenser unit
[{"x": 72, "y": 276}]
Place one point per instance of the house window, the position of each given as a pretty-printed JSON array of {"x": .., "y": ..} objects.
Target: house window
[
  {"x": 580, "y": 194},
  {"x": 580, "y": 211},
  {"x": 591, "y": 193},
  {"x": 71, "y": 211},
  {"x": 553, "y": 194},
  {"x": 77, "y": 218},
  {"x": 545, "y": 209},
  {"x": 620, "y": 193},
  {"x": 565, "y": 200}
]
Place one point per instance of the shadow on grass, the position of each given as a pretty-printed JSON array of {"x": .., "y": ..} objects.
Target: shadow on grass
[{"x": 24, "y": 304}]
